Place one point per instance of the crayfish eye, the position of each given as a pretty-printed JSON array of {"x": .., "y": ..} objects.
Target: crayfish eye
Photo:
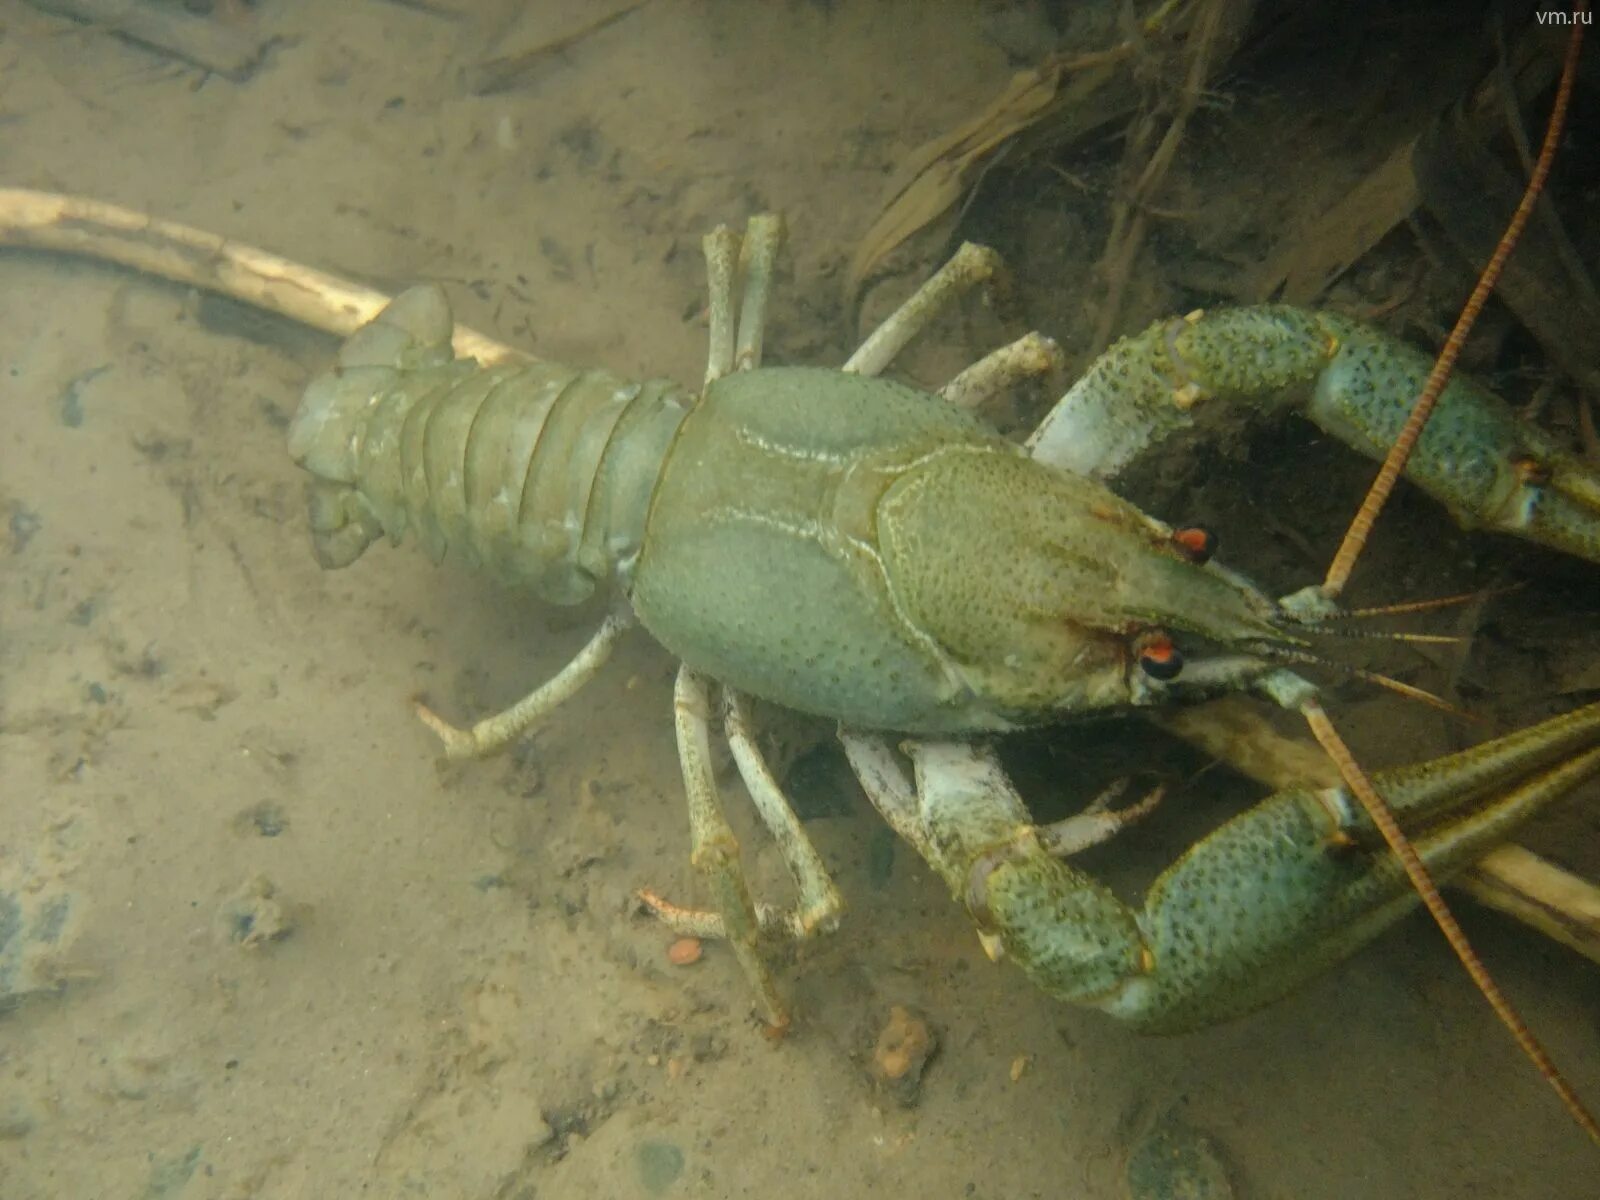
[
  {"x": 1159, "y": 659},
  {"x": 1196, "y": 543}
]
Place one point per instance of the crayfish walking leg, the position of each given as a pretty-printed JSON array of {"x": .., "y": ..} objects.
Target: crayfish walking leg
[{"x": 745, "y": 924}]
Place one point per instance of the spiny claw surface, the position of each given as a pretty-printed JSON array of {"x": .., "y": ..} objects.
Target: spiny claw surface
[
  {"x": 1268, "y": 901},
  {"x": 1210, "y": 371}
]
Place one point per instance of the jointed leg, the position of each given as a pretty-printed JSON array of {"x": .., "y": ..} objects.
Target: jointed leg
[
  {"x": 953, "y": 768},
  {"x": 732, "y": 915},
  {"x": 972, "y": 264},
  {"x": 714, "y": 850},
  {"x": 721, "y": 247},
  {"x": 962, "y": 787},
  {"x": 1031, "y": 354},
  {"x": 763, "y": 238},
  {"x": 500, "y": 730},
  {"x": 743, "y": 264},
  {"x": 1097, "y": 823},
  {"x": 820, "y": 902}
]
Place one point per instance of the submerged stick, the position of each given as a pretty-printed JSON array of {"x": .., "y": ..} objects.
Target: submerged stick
[
  {"x": 182, "y": 254},
  {"x": 203, "y": 41}
]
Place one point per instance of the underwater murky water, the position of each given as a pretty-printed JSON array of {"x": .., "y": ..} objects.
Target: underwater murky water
[{"x": 257, "y": 941}]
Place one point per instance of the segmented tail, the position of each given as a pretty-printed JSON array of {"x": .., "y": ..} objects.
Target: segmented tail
[{"x": 539, "y": 473}]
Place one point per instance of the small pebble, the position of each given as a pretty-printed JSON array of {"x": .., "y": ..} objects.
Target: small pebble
[
  {"x": 16, "y": 1120},
  {"x": 256, "y": 915},
  {"x": 1174, "y": 1161},
  {"x": 684, "y": 952},
  {"x": 904, "y": 1046},
  {"x": 72, "y": 397},
  {"x": 265, "y": 819},
  {"x": 23, "y": 525}
]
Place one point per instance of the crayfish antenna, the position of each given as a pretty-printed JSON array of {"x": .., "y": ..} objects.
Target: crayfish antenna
[
  {"x": 1383, "y": 817},
  {"x": 1409, "y": 690},
  {"x": 1433, "y": 605},
  {"x": 1350, "y": 549},
  {"x": 1390, "y": 635},
  {"x": 1412, "y": 692}
]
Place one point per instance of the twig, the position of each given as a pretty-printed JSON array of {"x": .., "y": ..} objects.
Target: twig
[
  {"x": 76, "y": 225},
  {"x": 225, "y": 49},
  {"x": 498, "y": 74},
  {"x": 1130, "y": 214}
]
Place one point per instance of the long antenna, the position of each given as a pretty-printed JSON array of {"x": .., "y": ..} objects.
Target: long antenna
[
  {"x": 1350, "y": 550},
  {"x": 1383, "y": 817}
]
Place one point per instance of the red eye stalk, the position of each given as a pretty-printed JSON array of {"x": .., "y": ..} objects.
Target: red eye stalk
[
  {"x": 1159, "y": 658},
  {"x": 1195, "y": 542}
]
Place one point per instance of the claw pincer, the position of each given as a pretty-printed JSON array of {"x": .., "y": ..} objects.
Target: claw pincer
[
  {"x": 1208, "y": 372},
  {"x": 1262, "y": 905}
]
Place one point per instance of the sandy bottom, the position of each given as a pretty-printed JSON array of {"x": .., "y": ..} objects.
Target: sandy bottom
[{"x": 289, "y": 953}]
